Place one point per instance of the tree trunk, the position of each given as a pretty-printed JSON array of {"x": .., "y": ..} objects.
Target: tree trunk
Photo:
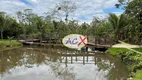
[
  {"x": 40, "y": 38},
  {"x": 117, "y": 35},
  {"x": 1, "y": 33}
]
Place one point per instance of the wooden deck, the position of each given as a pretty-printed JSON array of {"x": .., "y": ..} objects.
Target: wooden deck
[
  {"x": 92, "y": 46},
  {"x": 93, "y": 43}
]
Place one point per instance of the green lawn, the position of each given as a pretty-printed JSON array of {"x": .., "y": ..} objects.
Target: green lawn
[
  {"x": 138, "y": 75},
  {"x": 116, "y": 51}
]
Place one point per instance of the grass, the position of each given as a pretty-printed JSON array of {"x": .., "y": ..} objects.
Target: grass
[
  {"x": 138, "y": 75},
  {"x": 138, "y": 49},
  {"x": 116, "y": 51},
  {"x": 7, "y": 44}
]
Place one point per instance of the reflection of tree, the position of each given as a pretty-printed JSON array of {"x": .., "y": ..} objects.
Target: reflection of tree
[
  {"x": 62, "y": 73},
  {"x": 23, "y": 56},
  {"x": 29, "y": 57},
  {"x": 117, "y": 71},
  {"x": 19, "y": 57},
  {"x": 8, "y": 60},
  {"x": 115, "y": 68}
]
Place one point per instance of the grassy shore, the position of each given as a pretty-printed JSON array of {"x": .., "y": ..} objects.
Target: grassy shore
[
  {"x": 138, "y": 49},
  {"x": 9, "y": 44},
  {"x": 132, "y": 60},
  {"x": 116, "y": 51}
]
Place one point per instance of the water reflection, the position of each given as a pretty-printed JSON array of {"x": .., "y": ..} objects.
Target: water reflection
[{"x": 59, "y": 64}]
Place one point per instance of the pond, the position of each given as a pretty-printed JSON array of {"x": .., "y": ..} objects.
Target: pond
[{"x": 39, "y": 63}]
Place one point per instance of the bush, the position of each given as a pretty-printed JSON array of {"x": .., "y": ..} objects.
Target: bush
[
  {"x": 9, "y": 43},
  {"x": 138, "y": 75},
  {"x": 133, "y": 60}
]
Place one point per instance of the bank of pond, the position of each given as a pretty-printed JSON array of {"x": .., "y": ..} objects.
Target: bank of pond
[
  {"x": 9, "y": 44},
  {"x": 132, "y": 60},
  {"x": 120, "y": 65}
]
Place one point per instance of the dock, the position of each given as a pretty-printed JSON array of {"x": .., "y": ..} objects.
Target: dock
[{"x": 90, "y": 45}]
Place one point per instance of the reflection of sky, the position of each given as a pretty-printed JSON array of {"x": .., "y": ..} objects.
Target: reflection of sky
[{"x": 44, "y": 72}]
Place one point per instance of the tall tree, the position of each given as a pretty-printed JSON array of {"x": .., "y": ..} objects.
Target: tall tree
[
  {"x": 41, "y": 24},
  {"x": 63, "y": 8},
  {"x": 21, "y": 20},
  {"x": 67, "y": 7},
  {"x": 4, "y": 22}
]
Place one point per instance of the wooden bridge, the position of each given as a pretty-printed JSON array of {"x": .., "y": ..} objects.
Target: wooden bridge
[{"x": 93, "y": 42}]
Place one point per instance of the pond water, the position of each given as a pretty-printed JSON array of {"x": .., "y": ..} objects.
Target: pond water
[{"x": 38, "y": 63}]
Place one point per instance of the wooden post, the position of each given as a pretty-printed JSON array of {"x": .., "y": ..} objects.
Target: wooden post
[
  {"x": 87, "y": 56},
  {"x": 50, "y": 54},
  {"x": 71, "y": 59},
  {"x": 56, "y": 37},
  {"x": 83, "y": 59},
  {"x": 95, "y": 41},
  {"x": 86, "y": 48},
  {"x": 111, "y": 41},
  {"x": 105, "y": 40},
  {"x": 95, "y": 59},
  {"x": 76, "y": 57},
  {"x": 60, "y": 57},
  {"x": 66, "y": 61}
]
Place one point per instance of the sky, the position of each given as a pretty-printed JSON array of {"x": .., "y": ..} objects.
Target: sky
[{"x": 86, "y": 9}]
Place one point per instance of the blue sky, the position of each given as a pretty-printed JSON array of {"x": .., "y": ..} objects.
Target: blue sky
[
  {"x": 26, "y": 2},
  {"x": 113, "y": 9},
  {"x": 85, "y": 11}
]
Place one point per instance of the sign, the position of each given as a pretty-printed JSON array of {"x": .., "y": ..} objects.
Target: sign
[{"x": 75, "y": 41}]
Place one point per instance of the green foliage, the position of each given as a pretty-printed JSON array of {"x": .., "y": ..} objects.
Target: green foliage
[
  {"x": 134, "y": 30},
  {"x": 131, "y": 59},
  {"x": 118, "y": 23},
  {"x": 13, "y": 30},
  {"x": 138, "y": 75},
  {"x": 7, "y": 43},
  {"x": 10, "y": 38},
  {"x": 8, "y": 26}
]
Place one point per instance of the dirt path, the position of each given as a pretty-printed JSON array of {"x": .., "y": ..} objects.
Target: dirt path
[{"x": 128, "y": 46}]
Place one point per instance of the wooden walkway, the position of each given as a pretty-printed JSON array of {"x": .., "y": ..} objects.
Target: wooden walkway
[{"x": 92, "y": 43}]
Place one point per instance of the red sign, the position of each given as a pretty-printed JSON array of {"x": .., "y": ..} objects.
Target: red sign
[{"x": 83, "y": 40}]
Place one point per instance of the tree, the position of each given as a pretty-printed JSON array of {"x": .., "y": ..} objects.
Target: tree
[
  {"x": 63, "y": 8},
  {"x": 132, "y": 8},
  {"x": 4, "y": 22},
  {"x": 94, "y": 24},
  {"x": 118, "y": 23},
  {"x": 67, "y": 7},
  {"x": 41, "y": 24},
  {"x": 13, "y": 30},
  {"x": 21, "y": 20},
  {"x": 134, "y": 11}
]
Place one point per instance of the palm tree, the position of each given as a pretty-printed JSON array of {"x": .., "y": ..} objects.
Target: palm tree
[
  {"x": 118, "y": 23},
  {"x": 41, "y": 24}
]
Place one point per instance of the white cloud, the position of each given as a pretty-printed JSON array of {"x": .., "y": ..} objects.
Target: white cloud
[{"x": 85, "y": 8}]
